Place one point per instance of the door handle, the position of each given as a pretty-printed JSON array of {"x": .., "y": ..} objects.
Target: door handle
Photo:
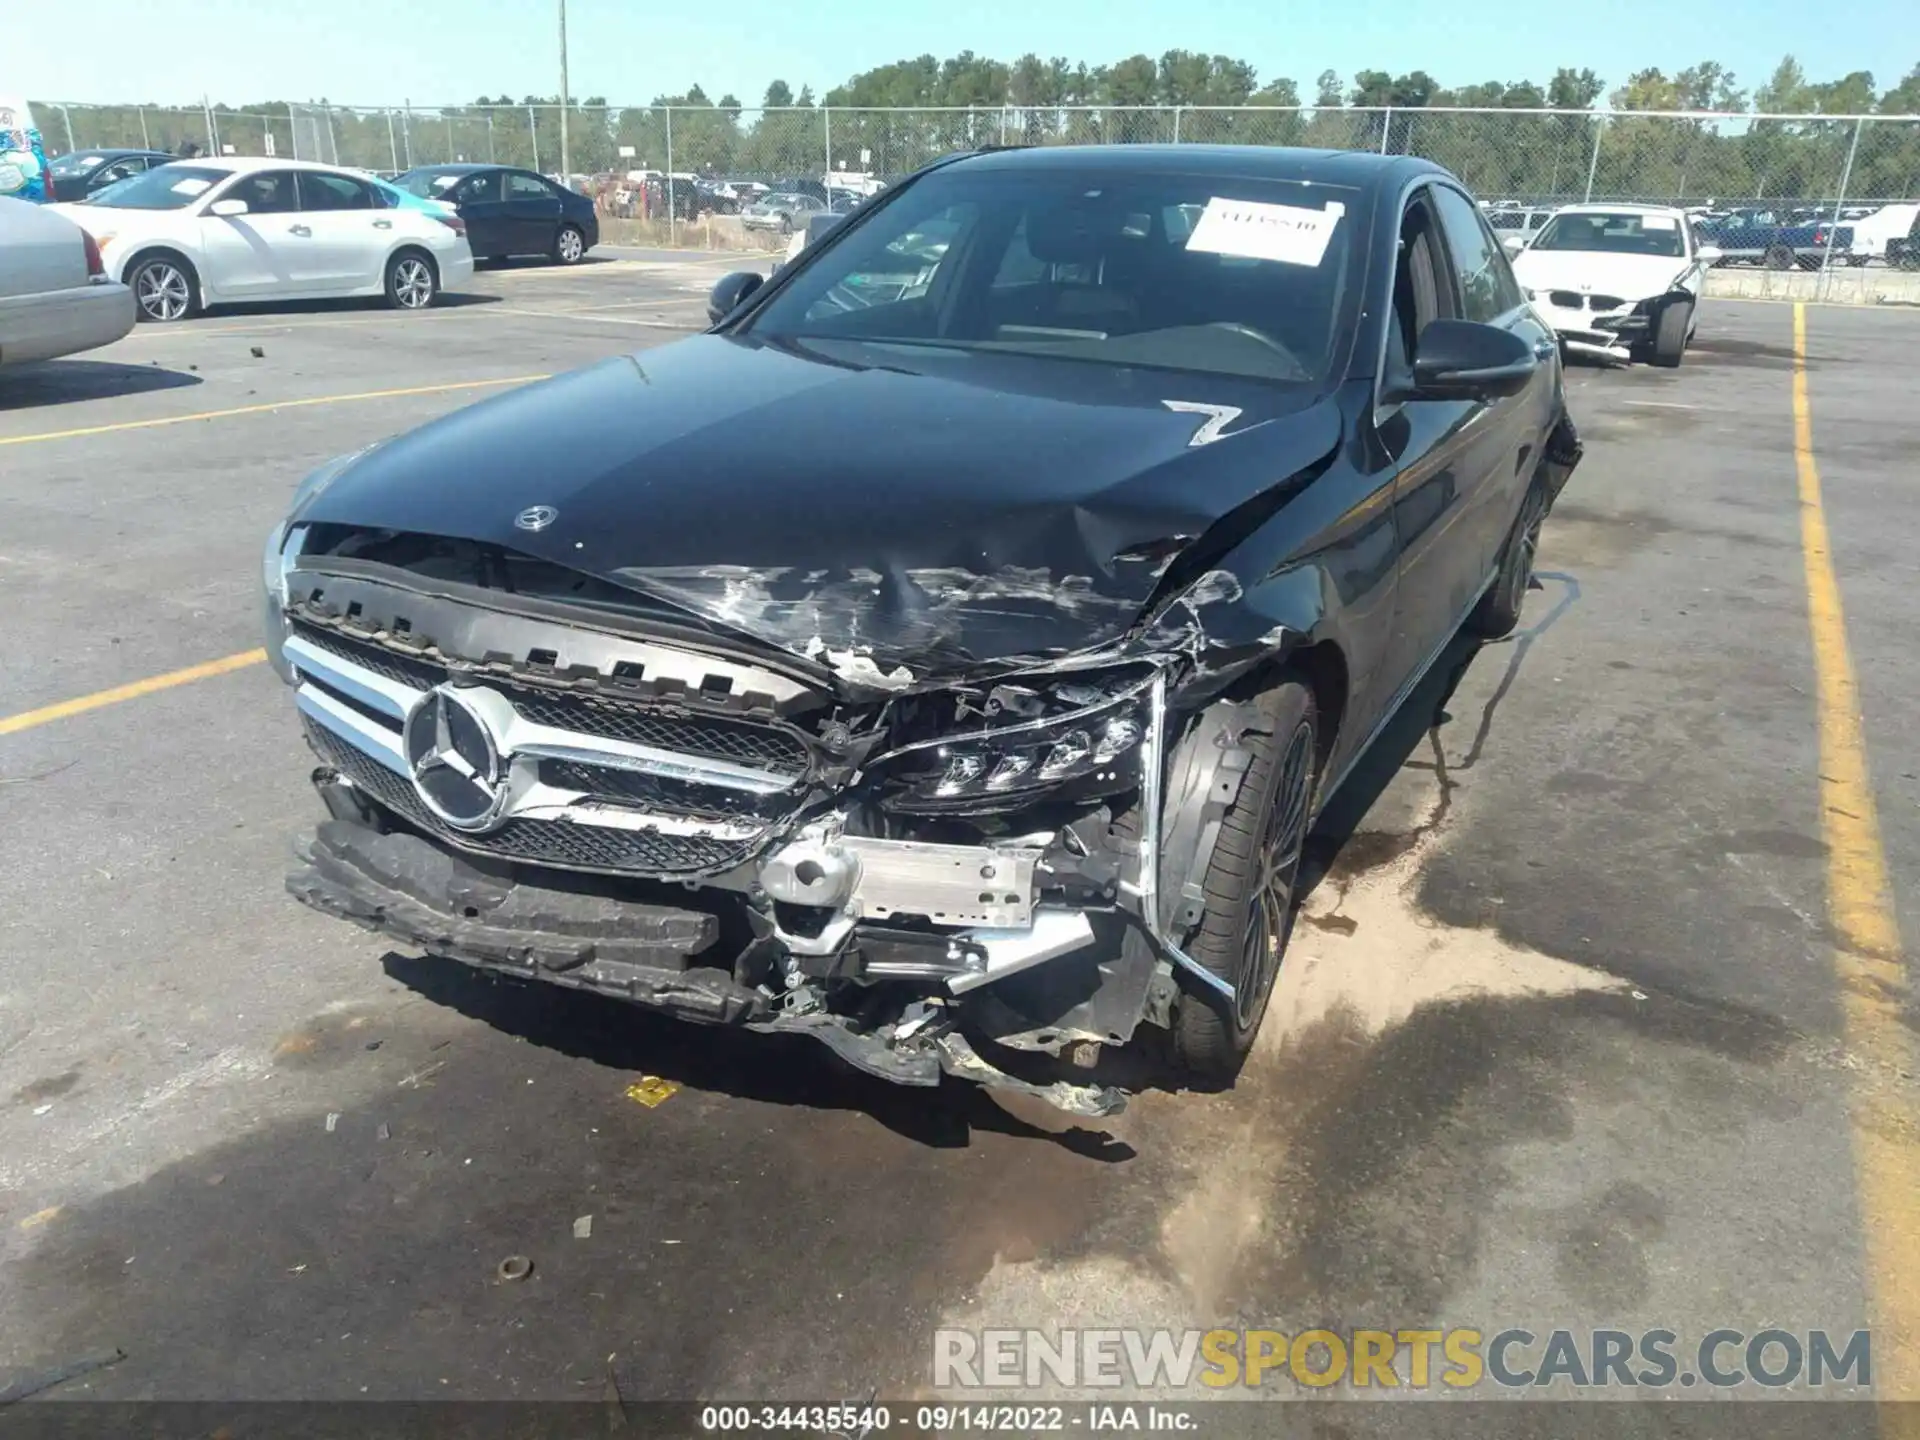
[
  {"x": 299, "y": 230},
  {"x": 383, "y": 224}
]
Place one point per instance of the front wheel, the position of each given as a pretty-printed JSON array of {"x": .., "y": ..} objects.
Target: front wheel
[
  {"x": 1778, "y": 257},
  {"x": 569, "y": 246},
  {"x": 163, "y": 290},
  {"x": 1498, "y": 612},
  {"x": 1251, "y": 886},
  {"x": 1670, "y": 334},
  {"x": 411, "y": 283}
]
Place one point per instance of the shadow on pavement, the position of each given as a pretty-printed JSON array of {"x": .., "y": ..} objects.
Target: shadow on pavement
[
  {"x": 62, "y": 382},
  {"x": 788, "y": 1070}
]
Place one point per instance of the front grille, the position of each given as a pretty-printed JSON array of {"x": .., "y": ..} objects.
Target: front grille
[
  {"x": 541, "y": 842},
  {"x": 743, "y": 742},
  {"x": 1567, "y": 299},
  {"x": 612, "y": 786},
  {"x": 421, "y": 674},
  {"x": 1606, "y": 302},
  {"x": 760, "y": 746}
]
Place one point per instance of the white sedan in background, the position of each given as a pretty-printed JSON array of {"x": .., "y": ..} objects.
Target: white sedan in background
[
  {"x": 215, "y": 231},
  {"x": 1616, "y": 282},
  {"x": 55, "y": 295}
]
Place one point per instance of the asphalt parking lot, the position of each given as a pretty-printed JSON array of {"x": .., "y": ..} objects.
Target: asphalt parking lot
[{"x": 1579, "y": 1027}]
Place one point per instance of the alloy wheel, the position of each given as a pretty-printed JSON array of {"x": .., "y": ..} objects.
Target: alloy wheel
[
  {"x": 413, "y": 283},
  {"x": 571, "y": 248},
  {"x": 1527, "y": 546},
  {"x": 1282, "y": 843},
  {"x": 162, "y": 291}
]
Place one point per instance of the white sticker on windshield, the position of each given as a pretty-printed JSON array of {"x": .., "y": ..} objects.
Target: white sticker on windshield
[
  {"x": 1658, "y": 222},
  {"x": 1290, "y": 234},
  {"x": 192, "y": 185}
]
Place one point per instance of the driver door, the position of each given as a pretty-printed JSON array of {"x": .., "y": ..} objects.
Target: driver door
[{"x": 256, "y": 255}]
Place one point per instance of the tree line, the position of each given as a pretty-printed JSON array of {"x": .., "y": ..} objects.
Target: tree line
[{"x": 894, "y": 117}]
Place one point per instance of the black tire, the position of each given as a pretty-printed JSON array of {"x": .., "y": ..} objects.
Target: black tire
[
  {"x": 569, "y": 245},
  {"x": 1498, "y": 612},
  {"x": 1778, "y": 257},
  {"x": 1251, "y": 886},
  {"x": 165, "y": 288},
  {"x": 1670, "y": 334},
  {"x": 786, "y": 225},
  {"x": 412, "y": 281}
]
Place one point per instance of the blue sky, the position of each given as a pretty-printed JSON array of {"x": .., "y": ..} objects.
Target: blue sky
[{"x": 431, "y": 51}]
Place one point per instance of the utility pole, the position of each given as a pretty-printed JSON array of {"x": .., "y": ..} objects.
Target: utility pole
[{"x": 566, "y": 156}]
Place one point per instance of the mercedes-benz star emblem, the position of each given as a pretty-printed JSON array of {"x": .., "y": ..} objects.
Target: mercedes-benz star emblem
[
  {"x": 454, "y": 760},
  {"x": 536, "y": 517}
]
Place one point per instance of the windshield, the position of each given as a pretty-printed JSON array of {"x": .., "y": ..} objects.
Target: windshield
[
  {"x": 1199, "y": 273},
  {"x": 171, "y": 187},
  {"x": 1623, "y": 233}
]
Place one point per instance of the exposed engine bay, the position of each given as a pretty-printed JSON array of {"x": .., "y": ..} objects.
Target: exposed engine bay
[{"x": 536, "y": 771}]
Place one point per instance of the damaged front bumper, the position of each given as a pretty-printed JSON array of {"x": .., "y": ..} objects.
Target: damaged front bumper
[
  {"x": 1597, "y": 327},
  {"x": 512, "y": 920}
]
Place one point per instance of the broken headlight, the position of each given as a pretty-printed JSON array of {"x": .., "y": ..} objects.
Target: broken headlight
[{"x": 1005, "y": 745}]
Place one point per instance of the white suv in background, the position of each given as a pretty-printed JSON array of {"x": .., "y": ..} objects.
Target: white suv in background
[{"x": 214, "y": 231}]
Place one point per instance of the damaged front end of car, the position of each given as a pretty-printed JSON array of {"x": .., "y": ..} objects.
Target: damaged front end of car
[{"x": 541, "y": 773}]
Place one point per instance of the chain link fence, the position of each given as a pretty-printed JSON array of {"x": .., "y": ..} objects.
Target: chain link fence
[{"x": 1832, "y": 167}]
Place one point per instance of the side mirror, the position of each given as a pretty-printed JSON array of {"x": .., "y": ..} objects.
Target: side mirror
[
  {"x": 730, "y": 291},
  {"x": 1465, "y": 360},
  {"x": 1513, "y": 244},
  {"x": 226, "y": 209},
  {"x": 1709, "y": 254}
]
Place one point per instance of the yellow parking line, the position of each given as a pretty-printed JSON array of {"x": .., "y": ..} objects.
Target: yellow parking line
[
  {"x": 1886, "y": 1143},
  {"x": 47, "y": 714},
  {"x": 76, "y": 433}
]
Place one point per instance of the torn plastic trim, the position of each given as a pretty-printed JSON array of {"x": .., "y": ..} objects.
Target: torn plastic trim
[
  {"x": 960, "y": 1060},
  {"x": 1147, "y": 887}
]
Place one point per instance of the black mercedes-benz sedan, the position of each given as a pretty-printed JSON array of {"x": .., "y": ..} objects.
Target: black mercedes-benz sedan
[
  {"x": 947, "y": 653},
  {"x": 508, "y": 211}
]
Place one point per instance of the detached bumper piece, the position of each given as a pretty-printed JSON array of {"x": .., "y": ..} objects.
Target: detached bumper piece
[
  {"x": 403, "y": 886},
  {"x": 407, "y": 887}
]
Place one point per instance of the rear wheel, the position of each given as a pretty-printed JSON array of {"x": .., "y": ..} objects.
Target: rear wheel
[
  {"x": 569, "y": 245},
  {"x": 165, "y": 289},
  {"x": 411, "y": 282},
  {"x": 1670, "y": 334},
  {"x": 1251, "y": 886}
]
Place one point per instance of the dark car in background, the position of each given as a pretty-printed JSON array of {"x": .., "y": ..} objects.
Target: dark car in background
[
  {"x": 509, "y": 211},
  {"x": 1903, "y": 251},
  {"x": 76, "y": 176},
  {"x": 988, "y": 741}
]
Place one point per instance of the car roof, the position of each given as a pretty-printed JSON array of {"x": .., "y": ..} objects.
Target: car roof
[
  {"x": 1599, "y": 209},
  {"x": 243, "y": 164},
  {"x": 112, "y": 152},
  {"x": 1356, "y": 169},
  {"x": 464, "y": 167}
]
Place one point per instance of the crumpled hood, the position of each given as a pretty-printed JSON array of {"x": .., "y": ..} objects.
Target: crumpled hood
[
  {"x": 894, "y": 513},
  {"x": 1631, "y": 277}
]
